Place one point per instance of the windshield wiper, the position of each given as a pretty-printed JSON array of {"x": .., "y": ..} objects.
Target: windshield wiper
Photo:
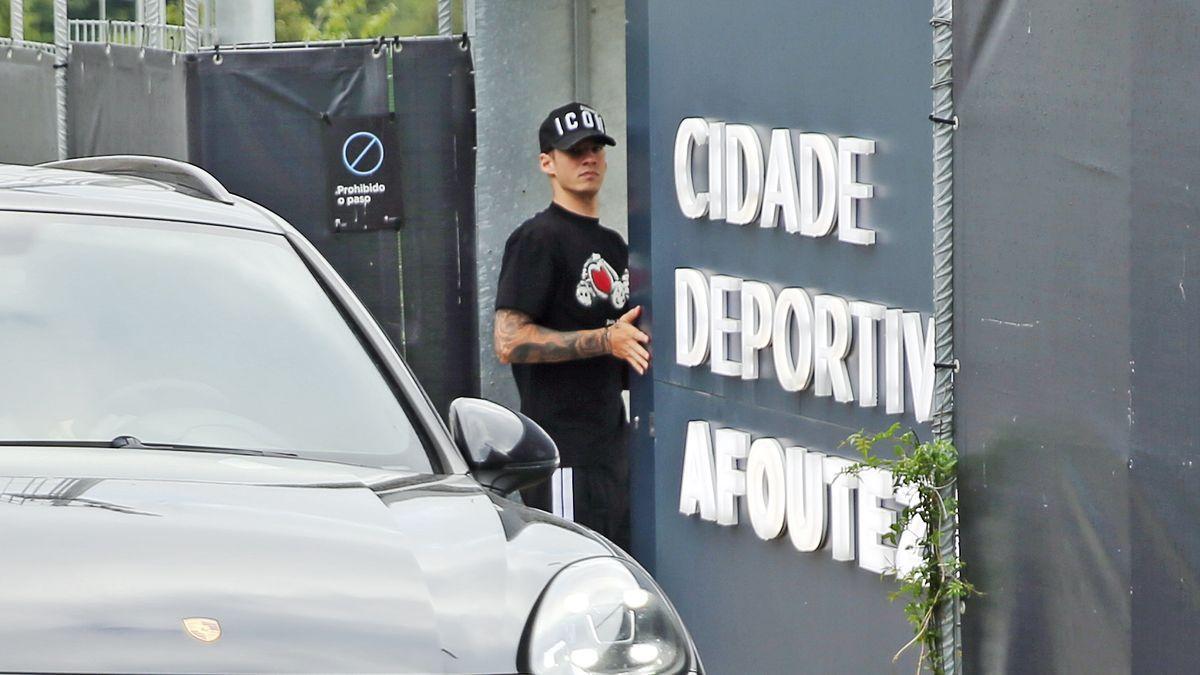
[{"x": 134, "y": 443}]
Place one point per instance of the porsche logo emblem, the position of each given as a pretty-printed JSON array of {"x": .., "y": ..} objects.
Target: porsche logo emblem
[{"x": 204, "y": 630}]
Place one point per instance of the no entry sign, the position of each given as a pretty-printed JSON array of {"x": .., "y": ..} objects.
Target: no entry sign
[{"x": 364, "y": 173}]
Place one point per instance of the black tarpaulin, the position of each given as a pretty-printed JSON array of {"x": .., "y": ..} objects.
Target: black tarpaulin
[
  {"x": 29, "y": 126},
  {"x": 125, "y": 100},
  {"x": 435, "y": 116},
  {"x": 260, "y": 120}
]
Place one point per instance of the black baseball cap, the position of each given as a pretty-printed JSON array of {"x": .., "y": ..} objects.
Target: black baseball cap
[{"x": 570, "y": 124}]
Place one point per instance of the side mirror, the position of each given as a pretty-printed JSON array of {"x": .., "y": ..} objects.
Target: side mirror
[{"x": 505, "y": 450}]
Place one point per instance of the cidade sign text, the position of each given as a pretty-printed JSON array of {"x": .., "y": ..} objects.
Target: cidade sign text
[
  {"x": 809, "y": 184},
  {"x": 811, "y": 198}
]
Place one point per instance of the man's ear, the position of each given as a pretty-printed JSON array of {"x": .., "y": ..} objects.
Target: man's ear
[{"x": 546, "y": 161}]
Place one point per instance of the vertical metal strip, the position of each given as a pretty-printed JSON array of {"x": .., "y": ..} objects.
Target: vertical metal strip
[
  {"x": 61, "y": 46},
  {"x": 444, "y": 14},
  {"x": 582, "y": 48},
  {"x": 556, "y": 492},
  {"x": 469, "y": 17},
  {"x": 154, "y": 18},
  {"x": 568, "y": 493},
  {"x": 16, "y": 12},
  {"x": 948, "y": 613},
  {"x": 191, "y": 25}
]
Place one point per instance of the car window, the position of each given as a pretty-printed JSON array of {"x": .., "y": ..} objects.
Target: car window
[{"x": 184, "y": 334}]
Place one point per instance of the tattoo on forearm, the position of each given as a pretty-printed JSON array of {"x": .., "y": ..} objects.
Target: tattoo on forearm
[{"x": 519, "y": 340}]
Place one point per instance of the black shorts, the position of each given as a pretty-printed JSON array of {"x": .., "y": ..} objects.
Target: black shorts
[{"x": 595, "y": 496}]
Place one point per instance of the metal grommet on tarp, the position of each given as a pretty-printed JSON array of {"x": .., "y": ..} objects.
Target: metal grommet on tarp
[{"x": 217, "y": 58}]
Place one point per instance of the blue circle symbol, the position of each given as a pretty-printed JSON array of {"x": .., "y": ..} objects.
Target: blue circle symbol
[{"x": 362, "y": 153}]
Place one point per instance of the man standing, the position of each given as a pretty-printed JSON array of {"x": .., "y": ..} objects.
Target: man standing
[{"x": 563, "y": 324}]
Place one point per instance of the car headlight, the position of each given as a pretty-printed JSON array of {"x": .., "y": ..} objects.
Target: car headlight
[{"x": 604, "y": 615}]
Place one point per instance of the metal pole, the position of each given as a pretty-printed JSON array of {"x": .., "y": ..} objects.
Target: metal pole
[
  {"x": 61, "y": 46},
  {"x": 469, "y": 17},
  {"x": 948, "y": 612},
  {"x": 16, "y": 12},
  {"x": 445, "y": 24},
  {"x": 191, "y": 25},
  {"x": 103, "y": 10},
  {"x": 582, "y": 44},
  {"x": 154, "y": 16}
]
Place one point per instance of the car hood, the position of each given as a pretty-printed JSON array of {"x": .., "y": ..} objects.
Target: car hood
[{"x": 306, "y": 566}]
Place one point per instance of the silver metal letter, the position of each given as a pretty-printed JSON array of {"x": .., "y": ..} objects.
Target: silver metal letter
[
  {"x": 807, "y": 502},
  {"x": 716, "y": 171},
  {"x": 919, "y": 353},
  {"x": 692, "y": 131},
  {"x": 893, "y": 361},
  {"x": 908, "y": 552},
  {"x": 869, "y": 315},
  {"x": 841, "y": 506},
  {"x": 779, "y": 190},
  {"x": 874, "y": 521},
  {"x": 793, "y": 356},
  {"x": 691, "y": 317},
  {"x": 720, "y": 287},
  {"x": 766, "y": 491},
  {"x": 851, "y": 190},
  {"x": 758, "y": 305},
  {"x": 731, "y": 445},
  {"x": 831, "y": 345},
  {"x": 818, "y": 170},
  {"x": 696, "y": 490},
  {"x": 743, "y": 158}
]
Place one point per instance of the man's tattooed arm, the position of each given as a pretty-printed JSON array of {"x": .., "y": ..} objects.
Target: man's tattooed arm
[{"x": 517, "y": 339}]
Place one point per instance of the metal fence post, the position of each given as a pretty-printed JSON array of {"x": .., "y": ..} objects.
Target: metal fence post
[
  {"x": 154, "y": 16},
  {"x": 945, "y": 122},
  {"x": 445, "y": 14},
  {"x": 191, "y": 25},
  {"x": 16, "y": 13},
  {"x": 61, "y": 46},
  {"x": 582, "y": 48}
]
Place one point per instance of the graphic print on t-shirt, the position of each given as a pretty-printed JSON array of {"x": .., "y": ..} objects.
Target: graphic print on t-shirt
[{"x": 599, "y": 279}]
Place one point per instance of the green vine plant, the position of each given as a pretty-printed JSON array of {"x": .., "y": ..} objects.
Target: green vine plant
[{"x": 929, "y": 469}]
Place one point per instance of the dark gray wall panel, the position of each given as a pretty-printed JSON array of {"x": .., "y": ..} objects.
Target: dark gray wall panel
[
  {"x": 1047, "y": 296},
  {"x": 843, "y": 69},
  {"x": 126, "y": 100},
  {"x": 1165, "y": 367},
  {"x": 641, "y": 389},
  {"x": 27, "y": 106},
  {"x": 435, "y": 103}
]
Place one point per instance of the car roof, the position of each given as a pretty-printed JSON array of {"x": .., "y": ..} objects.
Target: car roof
[{"x": 43, "y": 189}]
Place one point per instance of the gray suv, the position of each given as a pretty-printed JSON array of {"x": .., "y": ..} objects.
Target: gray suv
[{"x": 213, "y": 460}]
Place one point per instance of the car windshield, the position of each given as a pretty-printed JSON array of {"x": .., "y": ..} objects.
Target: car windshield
[{"x": 182, "y": 334}]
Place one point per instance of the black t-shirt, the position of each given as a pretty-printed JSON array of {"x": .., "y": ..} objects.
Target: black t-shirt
[{"x": 567, "y": 272}]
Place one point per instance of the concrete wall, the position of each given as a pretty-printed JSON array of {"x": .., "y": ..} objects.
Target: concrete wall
[{"x": 525, "y": 65}]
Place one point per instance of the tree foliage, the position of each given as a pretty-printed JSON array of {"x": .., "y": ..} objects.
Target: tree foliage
[
  {"x": 295, "y": 20},
  {"x": 930, "y": 468}
]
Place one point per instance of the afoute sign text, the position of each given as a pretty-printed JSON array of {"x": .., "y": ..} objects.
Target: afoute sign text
[{"x": 808, "y": 493}]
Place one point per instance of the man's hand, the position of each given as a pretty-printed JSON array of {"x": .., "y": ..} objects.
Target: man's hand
[{"x": 626, "y": 342}]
